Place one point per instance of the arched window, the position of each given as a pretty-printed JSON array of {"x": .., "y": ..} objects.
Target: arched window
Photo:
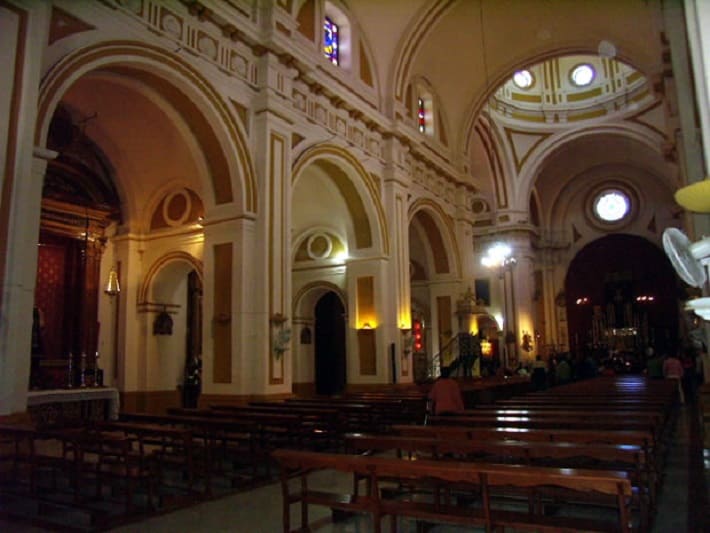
[
  {"x": 331, "y": 41},
  {"x": 425, "y": 111},
  {"x": 337, "y": 37},
  {"x": 421, "y": 115}
]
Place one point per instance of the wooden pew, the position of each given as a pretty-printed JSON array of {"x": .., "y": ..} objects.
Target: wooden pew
[
  {"x": 481, "y": 478},
  {"x": 644, "y": 439},
  {"x": 316, "y": 426},
  {"x": 170, "y": 447},
  {"x": 629, "y": 458},
  {"x": 87, "y": 458},
  {"x": 216, "y": 441}
]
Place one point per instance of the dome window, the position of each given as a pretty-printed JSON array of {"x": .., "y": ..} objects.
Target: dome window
[
  {"x": 523, "y": 79},
  {"x": 582, "y": 75}
]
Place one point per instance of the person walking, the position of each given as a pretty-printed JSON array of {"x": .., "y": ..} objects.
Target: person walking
[{"x": 673, "y": 369}]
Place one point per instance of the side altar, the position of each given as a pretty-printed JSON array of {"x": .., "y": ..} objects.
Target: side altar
[{"x": 64, "y": 406}]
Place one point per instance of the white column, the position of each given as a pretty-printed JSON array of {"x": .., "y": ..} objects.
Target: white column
[
  {"x": 397, "y": 299},
  {"x": 23, "y": 36}
]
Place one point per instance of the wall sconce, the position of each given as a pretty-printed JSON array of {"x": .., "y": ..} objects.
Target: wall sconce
[
  {"x": 366, "y": 325},
  {"x": 486, "y": 348},
  {"x": 112, "y": 286}
]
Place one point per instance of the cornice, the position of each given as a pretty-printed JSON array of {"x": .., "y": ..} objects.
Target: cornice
[{"x": 230, "y": 35}]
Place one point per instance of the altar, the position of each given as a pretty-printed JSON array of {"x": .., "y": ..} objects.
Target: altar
[{"x": 62, "y": 406}]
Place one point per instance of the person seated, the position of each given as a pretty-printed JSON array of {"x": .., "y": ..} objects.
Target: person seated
[{"x": 446, "y": 395}]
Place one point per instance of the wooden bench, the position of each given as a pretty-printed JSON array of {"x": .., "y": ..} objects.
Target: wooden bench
[
  {"x": 482, "y": 480},
  {"x": 217, "y": 442},
  {"x": 628, "y": 458}
]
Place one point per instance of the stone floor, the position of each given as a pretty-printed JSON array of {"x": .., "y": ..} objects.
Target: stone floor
[{"x": 683, "y": 502}]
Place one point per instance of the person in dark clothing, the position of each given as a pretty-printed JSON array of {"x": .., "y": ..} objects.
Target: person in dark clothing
[{"x": 539, "y": 374}]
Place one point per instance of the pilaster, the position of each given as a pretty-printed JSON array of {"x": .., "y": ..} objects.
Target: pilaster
[
  {"x": 21, "y": 29},
  {"x": 398, "y": 301},
  {"x": 272, "y": 148}
]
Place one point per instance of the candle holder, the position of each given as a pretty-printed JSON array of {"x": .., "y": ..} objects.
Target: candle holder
[
  {"x": 82, "y": 371},
  {"x": 70, "y": 372}
]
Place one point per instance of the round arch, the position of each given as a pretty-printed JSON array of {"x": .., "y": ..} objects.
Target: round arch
[
  {"x": 321, "y": 307},
  {"x": 161, "y": 263},
  {"x": 359, "y": 189},
  {"x": 218, "y": 132},
  {"x": 546, "y": 149},
  {"x": 441, "y": 235},
  {"x": 603, "y": 283},
  {"x": 306, "y": 297}
]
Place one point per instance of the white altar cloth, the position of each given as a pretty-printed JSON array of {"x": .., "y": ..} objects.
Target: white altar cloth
[{"x": 77, "y": 395}]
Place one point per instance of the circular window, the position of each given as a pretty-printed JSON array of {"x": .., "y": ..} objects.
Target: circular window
[
  {"x": 523, "y": 79},
  {"x": 611, "y": 205},
  {"x": 582, "y": 75}
]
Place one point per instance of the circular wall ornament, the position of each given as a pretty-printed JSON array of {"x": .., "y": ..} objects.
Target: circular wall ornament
[
  {"x": 319, "y": 246},
  {"x": 176, "y": 207},
  {"x": 611, "y": 205}
]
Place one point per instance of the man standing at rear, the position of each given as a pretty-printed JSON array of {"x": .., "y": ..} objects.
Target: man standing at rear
[
  {"x": 446, "y": 395},
  {"x": 673, "y": 369}
]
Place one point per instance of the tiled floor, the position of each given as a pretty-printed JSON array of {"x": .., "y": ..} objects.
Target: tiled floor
[{"x": 259, "y": 510}]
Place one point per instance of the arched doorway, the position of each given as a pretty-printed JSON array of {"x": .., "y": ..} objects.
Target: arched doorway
[
  {"x": 79, "y": 202},
  {"x": 173, "y": 304},
  {"x": 621, "y": 301},
  {"x": 330, "y": 345}
]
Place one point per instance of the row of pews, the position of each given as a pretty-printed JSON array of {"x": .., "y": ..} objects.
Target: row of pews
[
  {"x": 587, "y": 456},
  {"x": 97, "y": 475}
]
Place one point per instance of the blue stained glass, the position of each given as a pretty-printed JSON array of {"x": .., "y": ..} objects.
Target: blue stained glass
[{"x": 331, "y": 41}]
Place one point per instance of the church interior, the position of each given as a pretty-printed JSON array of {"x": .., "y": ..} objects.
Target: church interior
[{"x": 236, "y": 231}]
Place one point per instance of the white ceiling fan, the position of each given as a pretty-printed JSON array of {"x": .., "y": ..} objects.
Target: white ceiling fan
[{"x": 689, "y": 260}]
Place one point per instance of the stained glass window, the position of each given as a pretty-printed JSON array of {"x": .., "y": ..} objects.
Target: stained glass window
[
  {"x": 611, "y": 205},
  {"x": 331, "y": 41},
  {"x": 421, "y": 115}
]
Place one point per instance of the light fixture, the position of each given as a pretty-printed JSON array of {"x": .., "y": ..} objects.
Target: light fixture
[
  {"x": 112, "y": 286},
  {"x": 486, "y": 348},
  {"x": 498, "y": 255},
  {"x": 366, "y": 325}
]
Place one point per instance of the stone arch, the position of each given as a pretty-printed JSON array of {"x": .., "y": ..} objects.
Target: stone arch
[
  {"x": 165, "y": 306},
  {"x": 309, "y": 294},
  {"x": 158, "y": 265},
  {"x": 304, "y": 309},
  {"x": 415, "y": 34},
  {"x": 359, "y": 189},
  {"x": 530, "y": 170},
  {"x": 441, "y": 236},
  {"x": 219, "y": 134}
]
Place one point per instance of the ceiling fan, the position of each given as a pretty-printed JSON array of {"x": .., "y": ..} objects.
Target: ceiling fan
[{"x": 688, "y": 259}]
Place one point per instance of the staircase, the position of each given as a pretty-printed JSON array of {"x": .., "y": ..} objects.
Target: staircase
[{"x": 461, "y": 352}]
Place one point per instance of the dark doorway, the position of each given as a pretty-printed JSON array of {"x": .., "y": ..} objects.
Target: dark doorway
[
  {"x": 622, "y": 294},
  {"x": 330, "y": 345}
]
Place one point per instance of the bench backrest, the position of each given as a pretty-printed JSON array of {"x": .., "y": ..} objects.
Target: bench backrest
[{"x": 603, "y": 481}]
